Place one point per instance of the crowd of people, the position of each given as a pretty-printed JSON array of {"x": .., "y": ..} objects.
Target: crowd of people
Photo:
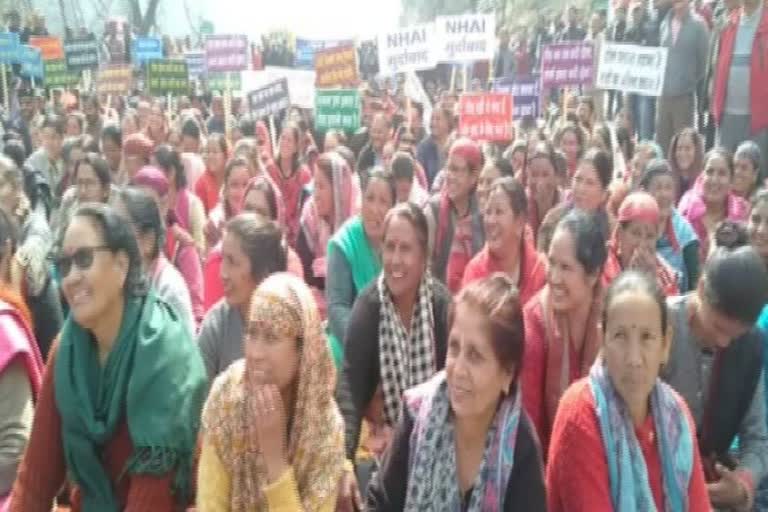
[{"x": 400, "y": 318}]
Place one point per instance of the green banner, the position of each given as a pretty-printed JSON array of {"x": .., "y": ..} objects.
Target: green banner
[
  {"x": 167, "y": 76},
  {"x": 57, "y": 75},
  {"x": 337, "y": 109},
  {"x": 218, "y": 81}
]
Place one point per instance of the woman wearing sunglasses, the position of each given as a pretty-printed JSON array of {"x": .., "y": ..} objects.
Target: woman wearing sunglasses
[{"x": 119, "y": 408}]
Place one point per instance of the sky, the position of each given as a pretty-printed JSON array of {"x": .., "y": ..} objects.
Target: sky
[{"x": 318, "y": 19}]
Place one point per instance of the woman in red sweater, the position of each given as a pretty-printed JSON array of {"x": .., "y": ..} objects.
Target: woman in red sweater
[
  {"x": 629, "y": 433},
  {"x": 508, "y": 246}
]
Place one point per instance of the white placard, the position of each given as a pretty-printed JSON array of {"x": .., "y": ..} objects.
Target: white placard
[
  {"x": 466, "y": 38},
  {"x": 632, "y": 68},
  {"x": 408, "y": 49},
  {"x": 301, "y": 83}
]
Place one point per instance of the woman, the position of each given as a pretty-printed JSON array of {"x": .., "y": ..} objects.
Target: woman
[
  {"x": 291, "y": 177},
  {"x": 130, "y": 123},
  {"x": 21, "y": 366},
  {"x": 716, "y": 365},
  {"x": 252, "y": 249},
  {"x": 507, "y": 248},
  {"x": 112, "y": 147},
  {"x": 118, "y": 410},
  {"x": 590, "y": 194},
  {"x": 397, "y": 328},
  {"x": 711, "y": 200},
  {"x": 646, "y": 152},
  {"x": 686, "y": 157},
  {"x": 187, "y": 208},
  {"x": 92, "y": 183},
  {"x": 157, "y": 126},
  {"x": 631, "y": 436},
  {"x": 353, "y": 256},
  {"x": 74, "y": 124},
  {"x": 747, "y": 172},
  {"x": 492, "y": 171},
  {"x": 542, "y": 185},
  {"x": 677, "y": 242},
  {"x": 137, "y": 151},
  {"x": 334, "y": 199},
  {"x": 515, "y": 156},
  {"x": 261, "y": 197},
  {"x": 572, "y": 141},
  {"x": 455, "y": 219},
  {"x": 464, "y": 442},
  {"x": 263, "y": 142},
  {"x": 287, "y": 451},
  {"x": 757, "y": 228},
  {"x": 408, "y": 187},
  {"x": 237, "y": 173},
  {"x": 141, "y": 211},
  {"x": 562, "y": 321},
  {"x": 216, "y": 156},
  {"x": 633, "y": 244},
  {"x": 30, "y": 268},
  {"x": 181, "y": 253}
]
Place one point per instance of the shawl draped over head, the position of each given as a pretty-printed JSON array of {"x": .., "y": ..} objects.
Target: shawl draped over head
[
  {"x": 255, "y": 182},
  {"x": 407, "y": 357},
  {"x": 153, "y": 378},
  {"x": 627, "y": 472},
  {"x": 561, "y": 370},
  {"x": 433, "y": 481},
  {"x": 639, "y": 207},
  {"x": 283, "y": 306},
  {"x": 346, "y": 203}
]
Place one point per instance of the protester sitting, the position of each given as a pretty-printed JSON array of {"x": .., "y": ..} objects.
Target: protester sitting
[
  {"x": 747, "y": 172},
  {"x": 541, "y": 185},
  {"x": 454, "y": 216},
  {"x": 91, "y": 183},
  {"x": 216, "y": 155},
  {"x": 353, "y": 256},
  {"x": 629, "y": 434},
  {"x": 562, "y": 321},
  {"x": 572, "y": 141},
  {"x": 711, "y": 200},
  {"x": 21, "y": 366},
  {"x": 236, "y": 176},
  {"x": 137, "y": 151},
  {"x": 141, "y": 211},
  {"x": 507, "y": 248},
  {"x": 119, "y": 407},
  {"x": 492, "y": 170},
  {"x": 252, "y": 249},
  {"x": 715, "y": 363},
  {"x": 397, "y": 328},
  {"x": 463, "y": 441},
  {"x": 633, "y": 244},
  {"x": 677, "y": 242},
  {"x": 686, "y": 158},
  {"x": 287, "y": 451},
  {"x": 407, "y": 185}
]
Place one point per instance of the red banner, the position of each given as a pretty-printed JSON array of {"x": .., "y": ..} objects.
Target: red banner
[
  {"x": 50, "y": 47},
  {"x": 486, "y": 116}
]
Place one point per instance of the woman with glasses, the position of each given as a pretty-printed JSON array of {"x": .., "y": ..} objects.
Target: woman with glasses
[{"x": 119, "y": 408}]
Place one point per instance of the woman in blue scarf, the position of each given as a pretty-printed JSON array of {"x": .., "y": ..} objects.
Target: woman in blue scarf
[{"x": 630, "y": 434}]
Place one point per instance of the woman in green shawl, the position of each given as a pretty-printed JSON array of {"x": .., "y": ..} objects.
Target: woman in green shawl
[
  {"x": 120, "y": 404},
  {"x": 353, "y": 256}
]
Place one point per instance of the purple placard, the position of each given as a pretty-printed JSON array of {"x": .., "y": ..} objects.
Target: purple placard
[
  {"x": 525, "y": 90},
  {"x": 226, "y": 53},
  {"x": 567, "y": 65}
]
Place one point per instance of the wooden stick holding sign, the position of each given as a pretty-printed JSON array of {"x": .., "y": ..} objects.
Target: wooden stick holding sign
[
  {"x": 408, "y": 113},
  {"x": 273, "y": 134},
  {"x": 6, "y": 98},
  {"x": 453, "y": 78},
  {"x": 227, "y": 107}
]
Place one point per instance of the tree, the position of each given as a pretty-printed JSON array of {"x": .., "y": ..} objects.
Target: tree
[{"x": 143, "y": 22}]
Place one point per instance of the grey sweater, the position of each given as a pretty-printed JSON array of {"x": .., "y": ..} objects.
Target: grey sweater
[
  {"x": 687, "y": 58},
  {"x": 16, "y": 413},
  {"x": 221, "y": 338},
  {"x": 689, "y": 372}
]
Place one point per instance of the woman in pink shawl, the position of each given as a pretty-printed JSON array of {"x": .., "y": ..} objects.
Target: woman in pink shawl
[
  {"x": 261, "y": 197},
  {"x": 711, "y": 200},
  {"x": 335, "y": 198},
  {"x": 21, "y": 367},
  {"x": 263, "y": 142}
]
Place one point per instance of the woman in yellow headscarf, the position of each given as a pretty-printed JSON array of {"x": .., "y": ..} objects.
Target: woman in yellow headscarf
[{"x": 272, "y": 434}]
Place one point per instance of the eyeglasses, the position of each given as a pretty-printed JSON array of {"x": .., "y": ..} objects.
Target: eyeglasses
[{"x": 82, "y": 258}]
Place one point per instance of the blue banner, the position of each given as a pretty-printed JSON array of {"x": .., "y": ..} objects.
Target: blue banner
[
  {"x": 147, "y": 48},
  {"x": 306, "y": 48},
  {"x": 195, "y": 64},
  {"x": 31, "y": 62},
  {"x": 9, "y": 48},
  {"x": 526, "y": 91}
]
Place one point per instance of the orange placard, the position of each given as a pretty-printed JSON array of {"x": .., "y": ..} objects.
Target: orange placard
[
  {"x": 336, "y": 67},
  {"x": 50, "y": 47}
]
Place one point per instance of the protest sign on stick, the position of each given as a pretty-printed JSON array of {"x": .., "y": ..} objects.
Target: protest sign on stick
[
  {"x": 82, "y": 54},
  {"x": 337, "y": 109},
  {"x": 270, "y": 99},
  {"x": 526, "y": 93},
  {"x": 408, "y": 49},
  {"x": 167, "y": 76},
  {"x": 465, "y": 38},
  {"x": 58, "y": 75},
  {"x": 50, "y": 47},
  {"x": 632, "y": 68},
  {"x": 224, "y": 53},
  {"x": 567, "y": 65},
  {"x": 146, "y": 49},
  {"x": 485, "y": 116},
  {"x": 336, "y": 67},
  {"x": 115, "y": 80}
]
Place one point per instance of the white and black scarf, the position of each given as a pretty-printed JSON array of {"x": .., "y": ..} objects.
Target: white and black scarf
[{"x": 407, "y": 359}]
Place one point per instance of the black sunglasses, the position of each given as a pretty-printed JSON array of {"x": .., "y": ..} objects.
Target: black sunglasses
[{"x": 82, "y": 258}]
